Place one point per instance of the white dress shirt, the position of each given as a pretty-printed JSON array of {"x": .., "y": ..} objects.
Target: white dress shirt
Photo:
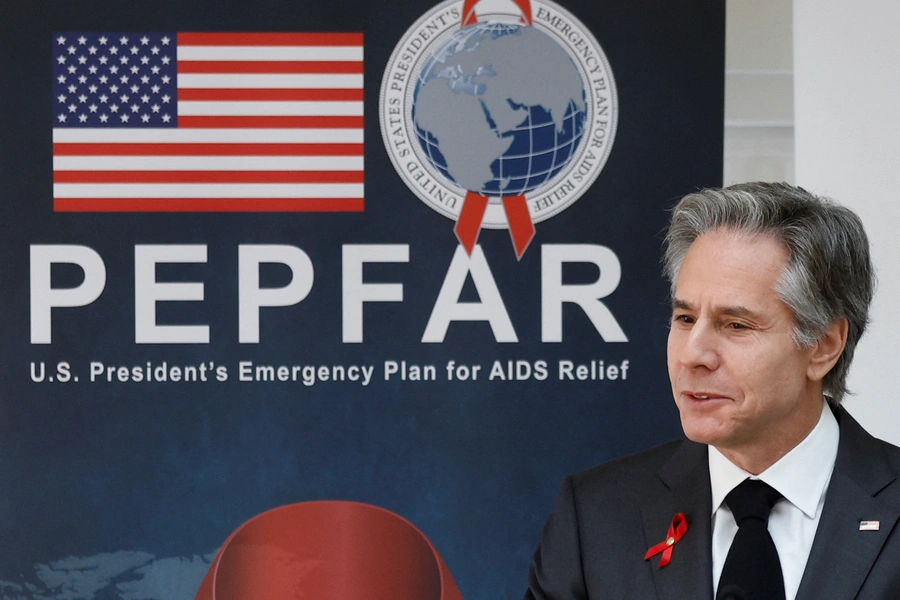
[{"x": 802, "y": 477}]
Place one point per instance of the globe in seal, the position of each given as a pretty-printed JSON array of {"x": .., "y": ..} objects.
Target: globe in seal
[{"x": 490, "y": 121}]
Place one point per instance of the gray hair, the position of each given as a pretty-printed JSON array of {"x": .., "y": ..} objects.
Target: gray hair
[{"x": 829, "y": 274}]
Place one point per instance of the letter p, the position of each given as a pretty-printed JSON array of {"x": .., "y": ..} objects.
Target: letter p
[
  {"x": 44, "y": 298},
  {"x": 251, "y": 297}
]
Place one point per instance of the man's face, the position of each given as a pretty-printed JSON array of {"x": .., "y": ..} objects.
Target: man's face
[{"x": 740, "y": 381}]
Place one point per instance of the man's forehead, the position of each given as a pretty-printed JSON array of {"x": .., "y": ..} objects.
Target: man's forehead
[
  {"x": 728, "y": 251},
  {"x": 732, "y": 273}
]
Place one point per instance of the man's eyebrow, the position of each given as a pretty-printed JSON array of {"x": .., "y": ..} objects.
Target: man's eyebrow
[
  {"x": 678, "y": 304},
  {"x": 736, "y": 311},
  {"x": 731, "y": 311}
]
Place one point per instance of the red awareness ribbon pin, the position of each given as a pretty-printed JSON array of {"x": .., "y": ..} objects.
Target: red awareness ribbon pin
[{"x": 677, "y": 530}]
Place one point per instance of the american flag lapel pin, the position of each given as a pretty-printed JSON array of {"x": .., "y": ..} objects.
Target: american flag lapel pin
[{"x": 869, "y": 525}]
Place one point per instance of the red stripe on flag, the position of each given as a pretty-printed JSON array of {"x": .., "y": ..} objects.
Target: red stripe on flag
[
  {"x": 270, "y": 39},
  {"x": 269, "y": 66},
  {"x": 269, "y": 94},
  {"x": 208, "y": 177},
  {"x": 220, "y": 149},
  {"x": 271, "y": 122},
  {"x": 208, "y": 204}
]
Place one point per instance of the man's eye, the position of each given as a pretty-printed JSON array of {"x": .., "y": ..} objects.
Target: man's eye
[
  {"x": 738, "y": 326},
  {"x": 682, "y": 319}
]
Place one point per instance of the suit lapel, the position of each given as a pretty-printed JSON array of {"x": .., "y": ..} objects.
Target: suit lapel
[
  {"x": 688, "y": 575},
  {"x": 860, "y": 473}
]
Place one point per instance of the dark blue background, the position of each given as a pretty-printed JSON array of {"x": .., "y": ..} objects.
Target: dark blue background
[{"x": 173, "y": 469}]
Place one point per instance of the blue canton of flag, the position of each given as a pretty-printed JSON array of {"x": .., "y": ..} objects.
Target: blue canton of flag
[{"x": 115, "y": 80}]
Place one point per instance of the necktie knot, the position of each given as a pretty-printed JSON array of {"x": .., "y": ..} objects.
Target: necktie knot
[{"x": 752, "y": 499}]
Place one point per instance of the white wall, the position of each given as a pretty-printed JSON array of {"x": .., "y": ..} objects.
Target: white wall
[
  {"x": 759, "y": 99},
  {"x": 847, "y": 146}
]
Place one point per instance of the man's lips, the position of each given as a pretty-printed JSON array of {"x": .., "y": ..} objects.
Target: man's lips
[{"x": 703, "y": 396}]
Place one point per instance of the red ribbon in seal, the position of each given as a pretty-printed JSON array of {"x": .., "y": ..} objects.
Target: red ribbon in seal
[
  {"x": 521, "y": 227},
  {"x": 469, "y": 17},
  {"x": 677, "y": 530}
]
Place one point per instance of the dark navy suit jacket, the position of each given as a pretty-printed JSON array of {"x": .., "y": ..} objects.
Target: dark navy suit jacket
[{"x": 607, "y": 517}]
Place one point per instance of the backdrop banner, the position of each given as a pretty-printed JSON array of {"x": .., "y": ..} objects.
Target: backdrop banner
[{"x": 294, "y": 288}]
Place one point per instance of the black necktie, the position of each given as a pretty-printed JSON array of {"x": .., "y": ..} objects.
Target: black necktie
[{"x": 752, "y": 570}]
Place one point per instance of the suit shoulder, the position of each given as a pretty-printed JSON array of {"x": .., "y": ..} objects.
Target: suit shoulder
[
  {"x": 860, "y": 447},
  {"x": 651, "y": 459},
  {"x": 634, "y": 471},
  {"x": 891, "y": 453}
]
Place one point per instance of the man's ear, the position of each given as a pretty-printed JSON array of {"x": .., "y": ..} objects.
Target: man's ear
[{"x": 827, "y": 350}]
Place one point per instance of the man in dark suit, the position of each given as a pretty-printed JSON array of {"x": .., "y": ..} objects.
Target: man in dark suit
[{"x": 770, "y": 294}]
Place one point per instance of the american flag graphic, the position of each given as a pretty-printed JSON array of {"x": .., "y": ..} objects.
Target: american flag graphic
[{"x": 207, "y": 122}]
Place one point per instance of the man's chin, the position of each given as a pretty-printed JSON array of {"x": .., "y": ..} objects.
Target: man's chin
[{"x": 702, "y": 430}]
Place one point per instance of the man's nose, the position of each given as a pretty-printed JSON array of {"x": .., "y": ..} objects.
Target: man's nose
[{"x": 701, "y": 347}]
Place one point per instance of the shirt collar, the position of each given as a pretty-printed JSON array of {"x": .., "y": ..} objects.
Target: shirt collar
[{"x": 801, "y": 475}]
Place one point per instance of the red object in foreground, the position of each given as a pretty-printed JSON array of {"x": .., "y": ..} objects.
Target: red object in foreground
[
  {"x": 676, "y": 531},
  {"x": 328, "y": 549}
]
